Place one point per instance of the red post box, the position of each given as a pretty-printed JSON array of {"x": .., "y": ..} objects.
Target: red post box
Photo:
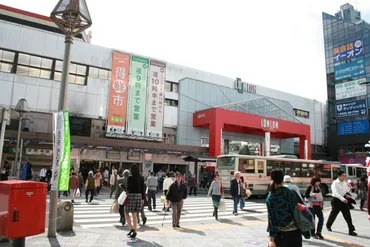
[{"x": 22, "y": 208}]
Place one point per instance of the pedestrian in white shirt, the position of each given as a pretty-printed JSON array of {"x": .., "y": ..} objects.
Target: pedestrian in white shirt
[
  {"x": 166, "y": 185},
  {"x": 43, "y": 174},
  {"x": 340, "y": 204}
]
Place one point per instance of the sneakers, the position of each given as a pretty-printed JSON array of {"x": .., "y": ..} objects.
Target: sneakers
[
  {"x": 352, "y": 233},
  {"x": 319, "y": 236}
]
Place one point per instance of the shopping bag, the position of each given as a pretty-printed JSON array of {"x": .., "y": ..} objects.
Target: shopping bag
[
  {"x": 115, "y": 208},
  {"x": 163, "y": 199},
  {"x": 122, "y": 198},
  {"x": 222, "y": 205},
  {"x": 78, "y": 192},
  {"x": 248, "y": 192}
]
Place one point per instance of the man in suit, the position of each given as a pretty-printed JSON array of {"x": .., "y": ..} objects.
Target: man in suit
[{"x": 235, "y": 192}]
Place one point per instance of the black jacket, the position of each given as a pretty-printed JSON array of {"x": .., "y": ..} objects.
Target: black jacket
[
  {"x": 177, "y": 193},
  {"x": 234, "y": 188}
]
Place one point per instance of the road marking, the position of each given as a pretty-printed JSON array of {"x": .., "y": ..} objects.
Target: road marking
[{"x": 342, "y": 241}]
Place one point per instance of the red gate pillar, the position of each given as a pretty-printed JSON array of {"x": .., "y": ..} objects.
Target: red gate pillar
[{"x": 215, "y": 138}]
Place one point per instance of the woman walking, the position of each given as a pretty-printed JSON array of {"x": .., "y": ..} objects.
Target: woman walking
[
  {"x": 90, "y": 186},
  {"x": 97, "y": 182},
  {"x": 362, "y": 191},
  {"x": 243, "y": 192},
  {"x": 282, "y": 228},
  {"x": 122, "y": 186},
  {"x": 217, "y": 192},
  {"x": 316, "y": 203},
  {"x": 135, "y": 197}
]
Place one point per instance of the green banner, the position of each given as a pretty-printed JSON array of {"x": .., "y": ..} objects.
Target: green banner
[
  {"x": 65, "y": 163},
  {"x": 137, "y": 96}
]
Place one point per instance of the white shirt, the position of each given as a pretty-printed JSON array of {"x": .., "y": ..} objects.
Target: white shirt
[
  {"x": 338, "y": 189},
  {"x": 167, "y": 183},
  {"x": 43, "y": 172}
]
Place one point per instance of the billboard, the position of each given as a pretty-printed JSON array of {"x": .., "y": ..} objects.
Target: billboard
[
  {"x": 348, "y": 51},
  {"x": 118, "y": 91},
  {"x": 137, "y": 96},
  {"x": 352, "y": 108},
  {"x": 154, "y": 112},
  {"x": 357, "y": 127},
  {"x": 350, "y": 89},
  {"x": 349, "y": 70}
]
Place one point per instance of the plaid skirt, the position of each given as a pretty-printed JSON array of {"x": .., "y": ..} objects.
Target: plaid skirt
[{"x": 133, "y": 203}]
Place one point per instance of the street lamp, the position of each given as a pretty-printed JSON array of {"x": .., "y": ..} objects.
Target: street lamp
[
  {"x": 72, "y": 17},
  {"x": 21, "y": 108}
]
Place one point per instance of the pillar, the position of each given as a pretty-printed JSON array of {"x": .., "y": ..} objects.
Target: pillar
[
  {"x": 215, "y": 138},
  {"x": 305, "y": 147},
  {"x": 267, "y": 143}
]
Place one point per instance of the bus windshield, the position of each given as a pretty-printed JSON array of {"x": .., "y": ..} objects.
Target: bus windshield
[{"x": 226, "y": 163}]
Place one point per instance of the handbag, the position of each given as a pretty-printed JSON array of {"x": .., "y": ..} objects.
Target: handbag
[
  {"x": 114, "y": 208},
  {"x": 163, "y": 199},
  {"x": 222, "y": 205},
  {"x": 122, "y": 198},
  {"x": 78, "y": 192},
  {"x": 243, "y": 192},
  {"x": 248, "y": 192}
]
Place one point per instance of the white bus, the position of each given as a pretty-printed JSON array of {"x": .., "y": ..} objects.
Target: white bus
[
  {"x": 354, "y": 173},
  {"x": 256, "y": 171}
]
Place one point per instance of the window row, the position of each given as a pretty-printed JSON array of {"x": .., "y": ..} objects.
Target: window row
[
  {"x": 171, "y": 102},
  {"x": 171, "y": 86},
  {"x": 301, "y": 113},
  {"x": 47, "y": 68},
  {"x": 294, "y": 169}
]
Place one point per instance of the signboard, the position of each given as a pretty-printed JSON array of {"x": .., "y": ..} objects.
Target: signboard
[
  {"x": 352, "y": 108},
  {"x": 118, "y": 91},
  {"x": 154, "y": 112},
  {"x": 349, "y": 70},
  {"x": 80, "y": 126},
  {"x": 348, "y": 51},
  {"x": 269, "y": 124},
  {"x": 137, "y": 96},
  {"x": 350, "y": 89},
  {"x": 38, "y": 151},
  {"x": 357, "y": 127},
  {"x": 245, "y": 87},
  {"x": 61, "y": 152}
]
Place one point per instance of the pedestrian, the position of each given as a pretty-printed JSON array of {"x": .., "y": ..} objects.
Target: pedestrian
[
  {"x": 74, "y": 185},
  {"x": 176, "y": 195},
  {"x": 281, "y": 201},
  {"x": 243, "y": 193},
  {"x": 43, "y": 174},
  {"x": 113, "y": 182},
  {"x": 98, "y": 182},
  {"x": 362, "y": 191},
  {"x": 316, "y": 203},
  {"x": 142, "y": 212},
  {"x": 217, "y": 191},
  {"x": 152, "y": 183},
  {"x": 5, "y": 171},
  {"x": 48, "y": 178},
  {"x": 90, "y": 186},
  {"x": 160, "y": 176},
  {"x": 81, "y": 182},
  {"x": 340, "y": 204},
  {"x": 166, "y": 185},
  {"x": 235, "y": 191},
  {"x": 193, "y": 185},
  {"x": 122, "y": 187},
  {"x": 288, "y": 181},
  {"x": 135, "y": 198}
]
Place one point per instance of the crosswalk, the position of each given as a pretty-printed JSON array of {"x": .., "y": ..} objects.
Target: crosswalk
[{"x": 196, "y": 209}]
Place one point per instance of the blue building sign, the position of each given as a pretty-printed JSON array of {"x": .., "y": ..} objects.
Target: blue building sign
[
  {"x": 357, "y": 127},
  {"x": 348, "y": 51},
  {"x": 352, "y": 108},
  {"x": 349, "y": 70}
]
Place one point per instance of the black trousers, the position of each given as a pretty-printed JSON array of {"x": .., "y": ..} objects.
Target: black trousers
[
  {"x": 289, "y": 239},
  {"x": 339, "y": 206},
  {"x": 191, "y": 189},
  {"x": 87, "y": 194},
  {"x": 122, "y": 214}
]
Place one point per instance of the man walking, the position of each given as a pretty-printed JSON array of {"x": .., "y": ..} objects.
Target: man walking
[
  {"x": 152, "y": 184},
  {"x": 235, "y": 192},
  {"x": 340, "y": 204},
  {"x": 43, "y": 174},
  {"x": 176, "y": 195},
  {"x": 113, "y": 182}
]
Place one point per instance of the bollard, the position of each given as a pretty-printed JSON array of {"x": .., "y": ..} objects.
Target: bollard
[
  {"x": 18, "y": 242},
  {"x": 65, "y": 216}
]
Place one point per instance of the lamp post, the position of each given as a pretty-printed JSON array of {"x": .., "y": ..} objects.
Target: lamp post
[
  {"x": 72, "y": 17},
  {"x": 21, "y": 108}
]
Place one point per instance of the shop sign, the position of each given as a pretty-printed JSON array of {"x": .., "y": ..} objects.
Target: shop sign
[
  {"x": 349, "y": 70},
  {"x": 118, "y": 91},
  {"x": 269, "y": 124},
  {"x": 113, "y": 155},
  {"x": 37, "y": 151},
  {"x": 357, "y": 127},
  {"x": 137, "y": 96},
  {"x": 348, "y": 51},
  {"x": 245, "y": 87},
  {"x": 352, "y": 108},
  {"x": 154, "y": 117},
  {"x": 133, "y": 156},
  {"x": 350, "y": 89},
  {"x": 61, "y": 152}
]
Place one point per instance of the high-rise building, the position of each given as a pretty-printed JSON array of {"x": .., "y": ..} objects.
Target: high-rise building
[{"x": 347, "y": 58}]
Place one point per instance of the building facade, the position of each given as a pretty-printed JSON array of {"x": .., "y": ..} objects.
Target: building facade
[
  {"x": 347, "y": 57},
  {"x": 31, "y": 54}
]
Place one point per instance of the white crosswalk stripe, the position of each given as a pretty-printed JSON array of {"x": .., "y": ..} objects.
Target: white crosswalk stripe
[{"x": 96, "y": 214}]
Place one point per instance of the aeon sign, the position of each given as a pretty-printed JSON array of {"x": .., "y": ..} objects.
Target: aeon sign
[{"x": 269, "y": 124}]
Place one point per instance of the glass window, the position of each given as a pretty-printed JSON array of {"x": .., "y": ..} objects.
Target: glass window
[
  {"x": 33, "y": 72},
  {"x": 72, "y": 68},
  {"x": 227, "y": 163},
  {"x": 71, "y": 78},
  {"x": 167, "y": 86},
  {"x": 59, "y": 65},
  {"x": 57, "y": 76},
  {"x": 335, "y": 172},
  {"x": 45, "y": 74},
  {"x": 35, "y": 61},
  {"x": 22, "y": 70},
  {"x": 80, "y": 80},
  {"x": 8, "y": 56},
  {"x": 260, "y": 167},
  {"x": 5, "y": 67},
  {"x": 305, "y": 170},
  {"x": 81, "y": 70},
  {"x": 175, "y": 88},
  {"x": 93, "y": 72},
  {"x": 247, "y": 166},
  {"x": 46, "y": 63},
  {"x": 23, "y": 59},
  {"x": 103, "y": 74}
]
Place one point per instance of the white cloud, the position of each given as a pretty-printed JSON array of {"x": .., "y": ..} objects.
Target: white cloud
[{"x": 278, "y": 44}]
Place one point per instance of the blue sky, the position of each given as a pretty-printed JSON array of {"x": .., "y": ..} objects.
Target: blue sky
[{"x": 277, "y": 44}]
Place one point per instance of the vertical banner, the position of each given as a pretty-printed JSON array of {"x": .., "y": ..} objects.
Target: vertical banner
[
  {"x": 118, "y": 92},
  {"x": 267, "y": 143},
  {"x": 137, "y": 96},
  {"x": 305, "y": 149},
  {"x": 61, "y": 152},
  {"x": 154, "y": 112}
]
